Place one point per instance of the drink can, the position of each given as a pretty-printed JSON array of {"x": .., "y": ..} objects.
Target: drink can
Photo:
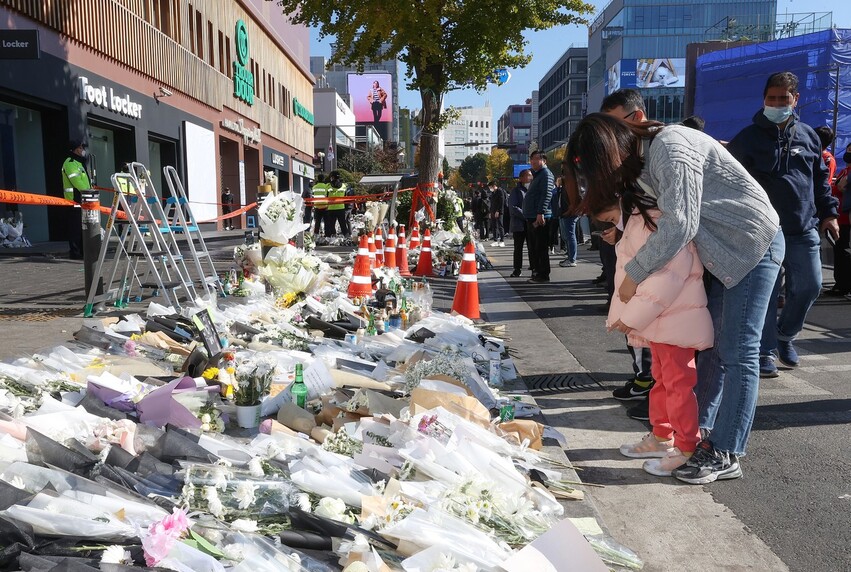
[{"x": 351, "y": 339}]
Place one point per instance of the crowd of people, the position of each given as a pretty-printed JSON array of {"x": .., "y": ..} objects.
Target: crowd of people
[{"x": 711, "y": 255}]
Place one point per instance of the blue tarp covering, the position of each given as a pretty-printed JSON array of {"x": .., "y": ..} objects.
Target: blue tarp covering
[{"x": 729, "y": 83}]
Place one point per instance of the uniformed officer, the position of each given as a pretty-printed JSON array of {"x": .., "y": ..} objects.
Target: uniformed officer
[
  {"x": 75, "y": 178},
  {"x": 336, "y": 210},
  {"x": 320, "y": 207}
]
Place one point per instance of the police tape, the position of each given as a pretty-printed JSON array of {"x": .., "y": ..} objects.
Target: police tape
[
  {"x": 353, "y": 198},
  {"x": 19, "y": 198},
  {"x": 233, "y": 214}
]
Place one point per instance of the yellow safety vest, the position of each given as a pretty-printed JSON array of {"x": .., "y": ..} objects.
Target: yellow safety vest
[
  {"x": 334, "y": 193},
  {"x": 320, "y": 191}
]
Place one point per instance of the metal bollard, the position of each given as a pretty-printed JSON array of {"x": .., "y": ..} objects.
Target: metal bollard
[{"x": 92, "y": 239}]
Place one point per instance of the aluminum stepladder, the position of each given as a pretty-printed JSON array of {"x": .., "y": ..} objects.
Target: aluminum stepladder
[
  {"x": 132, "y": 249},
  {"x": 181, "y": 220}
]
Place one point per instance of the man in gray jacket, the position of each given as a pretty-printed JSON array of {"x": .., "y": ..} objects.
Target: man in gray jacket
[{"x": 536, "y": 211}]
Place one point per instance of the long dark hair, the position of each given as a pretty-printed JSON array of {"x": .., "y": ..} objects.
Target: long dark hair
[{"x": 604, "y": 160}]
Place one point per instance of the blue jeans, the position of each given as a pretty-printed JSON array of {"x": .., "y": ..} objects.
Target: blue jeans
[
  {"x": 567, "y": 225},
  {"x": 728, "y": 374},
  {"x": 803, "y": 286}
]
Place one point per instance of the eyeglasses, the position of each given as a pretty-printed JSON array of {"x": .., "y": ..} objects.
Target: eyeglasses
[{"x": 630, "y": 115}]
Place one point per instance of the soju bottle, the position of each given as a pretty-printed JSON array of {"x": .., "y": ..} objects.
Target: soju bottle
[
  {"x": 299, "y": 389},
  {"x": 371, "y": 329}
]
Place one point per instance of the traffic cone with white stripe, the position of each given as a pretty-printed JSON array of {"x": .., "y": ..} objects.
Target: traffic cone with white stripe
[
  {"x": 415, "y": 237},
  {"x": 370, "y": 241},
  {"x": 402, "y": 253},
  {"x": 390, "y": 249},
  {"x": 379, "y": 249},
  {"x": 466, "y": 301},
  {"x": 425, "y": 266},
  {"x": 361, "y": 282}
]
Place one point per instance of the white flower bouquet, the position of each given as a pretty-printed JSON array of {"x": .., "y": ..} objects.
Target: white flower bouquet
[
  {"x": 291, "y": 270},
  {"x": 281, "y": 217},
  {"x": 253, "y": 380}
]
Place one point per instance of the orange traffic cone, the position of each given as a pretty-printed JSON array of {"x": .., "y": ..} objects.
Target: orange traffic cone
[
  {"x": 379, "y": 249},
  {"x": 466, "y": 301},
  {"x": 425, "y": 266},
  {"x": 402, "y": 253},
  {"x": 370, "y": 241},
  {"x": 361, "y": 283},
  {"x": 390, "y": 249},
  {"x": 415, "y": 237}
]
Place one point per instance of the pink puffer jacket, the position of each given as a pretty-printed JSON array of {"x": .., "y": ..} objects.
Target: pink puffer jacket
[{"x": 669, "y": 307}]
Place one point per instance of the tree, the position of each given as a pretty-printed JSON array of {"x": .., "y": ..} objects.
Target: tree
[
  {"x": 473, "y": 169},
  {"x": 446, "y": 169},
  {"x": 446, "y": 45},
  {"x": 457, "y": 182},
  {"x": 499, "y": 164}
]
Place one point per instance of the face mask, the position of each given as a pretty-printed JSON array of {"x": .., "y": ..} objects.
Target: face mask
[
  {"x": 619, "y": 226},
  {"x": 847, "y": 157},
  {"x": 526, "y": 185},
  {"x": 777, "y": 114}
]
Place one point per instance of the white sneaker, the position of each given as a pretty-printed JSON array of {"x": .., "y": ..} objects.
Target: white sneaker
[
  {"x": 663, "y": 467},
  {"x": 501, "y": 244},
  {"x": 648, "y": 447},
  {"x": 494, "y": 244}
]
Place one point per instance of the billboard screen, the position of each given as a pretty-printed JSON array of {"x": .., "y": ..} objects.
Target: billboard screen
[
  {"x": 647, "y": 73},
  {"x": 371, "y": 95}
]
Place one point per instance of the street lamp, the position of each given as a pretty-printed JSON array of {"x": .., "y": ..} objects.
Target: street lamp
[
  {"x": 321, "y": 156},
  {"x": 400, "y": 158}
]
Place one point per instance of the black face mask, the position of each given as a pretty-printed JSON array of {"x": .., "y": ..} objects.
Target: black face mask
[{"x": 847, "y": 157}]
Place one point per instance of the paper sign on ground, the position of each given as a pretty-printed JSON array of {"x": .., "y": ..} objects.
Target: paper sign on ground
[{"x": 561, "y": 549}]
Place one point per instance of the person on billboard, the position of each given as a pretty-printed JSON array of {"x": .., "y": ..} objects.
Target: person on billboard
[{"x": 377, "y": 98}]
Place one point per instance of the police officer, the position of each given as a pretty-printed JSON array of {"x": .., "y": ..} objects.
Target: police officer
[
  {"x": 336, "y": 210},
  {"x": 75, "y": 178},
  {"x": 320, "y": 207}
]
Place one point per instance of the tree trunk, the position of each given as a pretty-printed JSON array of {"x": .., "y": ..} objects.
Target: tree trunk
[{"x": 429, "y": 164}]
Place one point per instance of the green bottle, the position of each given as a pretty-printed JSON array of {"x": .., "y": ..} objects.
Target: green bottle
[
  {"x": 299, "y": 389},
  {"x": 371, "y": 329}
]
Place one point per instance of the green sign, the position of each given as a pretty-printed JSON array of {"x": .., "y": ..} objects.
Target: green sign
[
  {"x": 243, "y": 79},
  {"x": 302, "y": 111}
]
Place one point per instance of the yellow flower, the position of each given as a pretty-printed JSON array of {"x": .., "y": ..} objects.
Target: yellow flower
[
  {"x": 231, "y": 370},
  {"x": 210, "y": 373}
]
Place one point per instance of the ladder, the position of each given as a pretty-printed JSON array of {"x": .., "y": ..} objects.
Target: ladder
[
  {"x": 138, "y": 241},
  {"x": 180, "y": 219}
]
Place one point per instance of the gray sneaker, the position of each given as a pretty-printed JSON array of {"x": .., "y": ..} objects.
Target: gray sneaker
[
  {"x": 708, "y": 465},
  {"x": 567, "y": 263}
]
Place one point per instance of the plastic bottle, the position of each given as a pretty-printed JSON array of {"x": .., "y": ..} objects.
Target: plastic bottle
[{"x": 299, "y": 389}]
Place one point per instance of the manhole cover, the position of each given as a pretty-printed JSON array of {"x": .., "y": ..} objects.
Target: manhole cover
[
  {"x": 37, "y": 314},
  {"x": 560, "y": 383}
]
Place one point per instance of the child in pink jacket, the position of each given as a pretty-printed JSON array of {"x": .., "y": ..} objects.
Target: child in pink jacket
[{"x": 668, "y": 313}]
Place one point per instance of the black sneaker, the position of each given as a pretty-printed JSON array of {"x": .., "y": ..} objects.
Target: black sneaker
[
  {"x": 631, "y": 391},
  {"x": 640, "y": 411},
  {"x": 707, "y": 465}
]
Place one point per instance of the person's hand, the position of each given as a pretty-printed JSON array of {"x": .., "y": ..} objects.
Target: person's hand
[
  {"x": 539, "y": 220},
  {"x": 627, "y": 289},
  {"x": 620, "y": 327},
  {"x": 610, "y": 235},
  {"x": 830, "y": 225}
]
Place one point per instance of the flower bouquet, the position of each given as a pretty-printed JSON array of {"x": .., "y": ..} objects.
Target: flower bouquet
[
  {"x": 281, "y": 218},
  {"x": 291, "y": 270},
  {"x": 253, "y": 382}
]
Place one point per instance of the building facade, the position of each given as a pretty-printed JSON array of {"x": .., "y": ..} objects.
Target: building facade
[
  {"x": 515, "y": 128},
  {"x": 562, "y": 96},
  {"x": 220, "y": 90},
  {"x": 641, "y": 44},
  {"x": 334, "y": 133},
  {"x": 337, "y": 77},
  {"x": 472, "y": 126}
]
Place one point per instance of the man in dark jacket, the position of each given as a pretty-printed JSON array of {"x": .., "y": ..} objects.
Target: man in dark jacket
[
  {"x": 784, "y": 155},
  {"x": 497, "y": 207},
  {"x": 517, "y": 224},
  {"x": 536, "y": 211}
]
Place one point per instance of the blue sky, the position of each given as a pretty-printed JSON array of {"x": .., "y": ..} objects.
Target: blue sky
[{"x": 548, "y": 46}]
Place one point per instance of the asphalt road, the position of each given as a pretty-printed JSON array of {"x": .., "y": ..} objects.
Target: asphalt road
[{"x": 796, "y": 491}]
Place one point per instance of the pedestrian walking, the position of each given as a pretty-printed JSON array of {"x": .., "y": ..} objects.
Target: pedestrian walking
[
  {"x": 694, "y": 179},
  {"x": 784, "y": 155}
]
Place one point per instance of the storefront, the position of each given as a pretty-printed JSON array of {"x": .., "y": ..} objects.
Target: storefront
[
  {"x": 278, "y": 164},
  {"x": 303, "y": 175}
]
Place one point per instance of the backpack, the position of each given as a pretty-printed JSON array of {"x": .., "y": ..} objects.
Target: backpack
[{"x": 485, "y": 207}]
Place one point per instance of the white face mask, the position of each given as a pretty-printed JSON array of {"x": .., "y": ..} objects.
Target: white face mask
[{"x": 777, "y": 114}]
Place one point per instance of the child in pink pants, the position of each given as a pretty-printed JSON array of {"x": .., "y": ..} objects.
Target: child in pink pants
[{"x": 668, "y": 312}]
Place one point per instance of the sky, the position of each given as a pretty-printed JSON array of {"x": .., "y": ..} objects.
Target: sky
[{"x": 548, "y": 46}]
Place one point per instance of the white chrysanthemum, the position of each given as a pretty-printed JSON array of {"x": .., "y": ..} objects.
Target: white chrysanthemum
[
  {"x": 332, "y": 508},
  {"x": 220, "y": 477},
  {"x": 244, "y": 525},
  {"x": 234, "y": 552},
  {"x": 304, "y": 502},
  {"x": 255, "y": 467},
  {"x": 116, "y": 555},
  {"x": 356, "y": 567},
  {"x": 244, "y": 495},
  {"x": 214, "y": 503}
]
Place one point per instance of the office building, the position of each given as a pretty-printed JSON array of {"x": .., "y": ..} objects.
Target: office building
[
  {"x": 642, "y": 44},
  {"x": 515, "y": 128},
  {"x": 562, "y": 98},
  {"x": 472, "y": 126},
  {"x": 221, "y": 91}
]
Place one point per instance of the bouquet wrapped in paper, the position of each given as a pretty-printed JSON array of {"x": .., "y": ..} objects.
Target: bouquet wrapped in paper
[
  {"x": 281, "y": 217},
  {"x": 291, "y": 270}
]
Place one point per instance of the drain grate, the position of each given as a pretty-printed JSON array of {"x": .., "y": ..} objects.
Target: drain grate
[
  {"x": 559, "y": 383},
  {"x": 37, "y": 314}
]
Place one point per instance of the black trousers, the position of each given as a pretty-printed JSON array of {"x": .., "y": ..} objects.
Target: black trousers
[
  {"x": 539, "y": 255},
  {"x": 319, "y": 216},
  {"x": 609, "y": 258},
  {"x": 520, "y": 240},
  {"x": 377, "y": 110},
  {"x": 331, "y": 220},
  {"x": 496, "y": 227},
  {"x": 842, "y": 260}
]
